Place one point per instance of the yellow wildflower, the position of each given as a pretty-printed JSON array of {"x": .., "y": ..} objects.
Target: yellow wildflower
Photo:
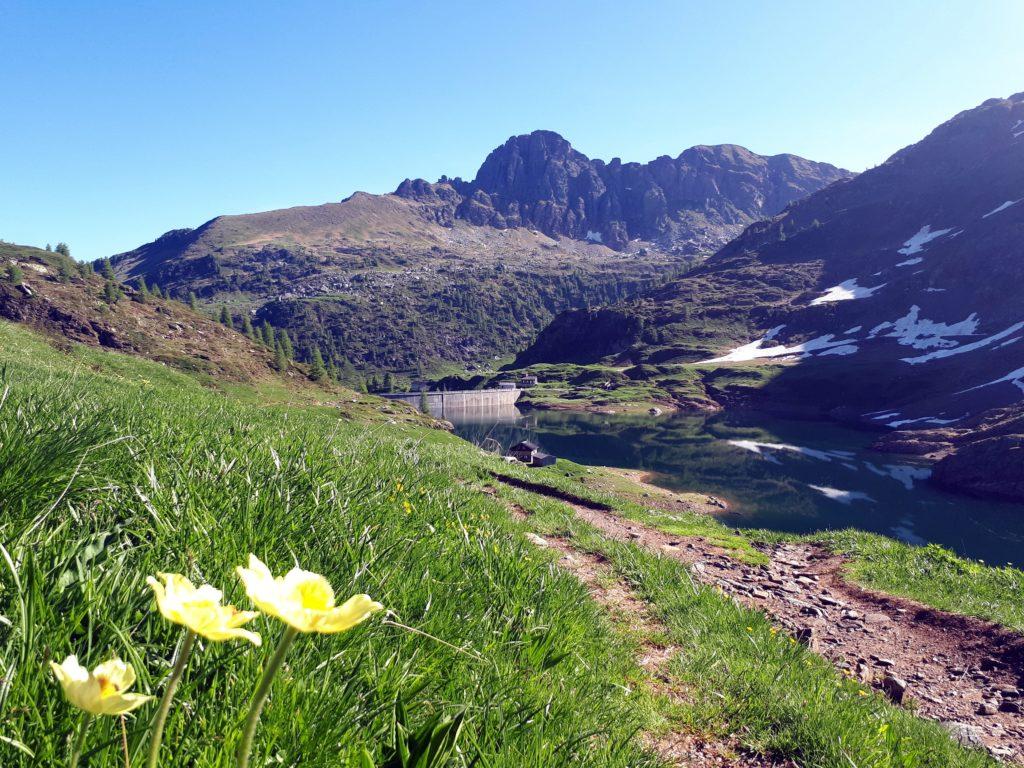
[
  {"x": 199, "y": 609},
  {"x": 102, "y": 691},
  {"x": 303, "y": 600}
]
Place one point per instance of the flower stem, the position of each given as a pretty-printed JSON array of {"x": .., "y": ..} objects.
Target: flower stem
[
  {"x": 259, "y": 697},
  {"x": 180, "y": 660},
  {"x": 76, "y": 750}
]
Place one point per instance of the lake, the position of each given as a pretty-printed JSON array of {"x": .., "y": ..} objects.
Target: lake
[{"x": 793, "y": 476}]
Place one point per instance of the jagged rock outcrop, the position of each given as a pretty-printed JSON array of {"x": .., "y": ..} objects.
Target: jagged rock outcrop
[{"x": 694, "y": 202}]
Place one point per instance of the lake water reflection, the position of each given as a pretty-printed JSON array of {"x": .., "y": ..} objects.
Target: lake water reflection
[{"x": 782, "y": 475}]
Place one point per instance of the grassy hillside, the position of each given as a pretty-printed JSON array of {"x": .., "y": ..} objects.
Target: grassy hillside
[
  {"x": 113, "y": 468},
  {"x": 388, "y": 283}
]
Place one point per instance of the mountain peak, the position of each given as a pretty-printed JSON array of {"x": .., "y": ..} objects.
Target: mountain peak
[{"x": 694, "y": 202}]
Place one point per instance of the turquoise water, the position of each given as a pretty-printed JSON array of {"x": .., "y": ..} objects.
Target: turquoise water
[{"x": 793, "y": 476}]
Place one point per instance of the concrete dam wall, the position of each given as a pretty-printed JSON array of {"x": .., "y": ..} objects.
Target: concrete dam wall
[{"x": 468, "y": 400}]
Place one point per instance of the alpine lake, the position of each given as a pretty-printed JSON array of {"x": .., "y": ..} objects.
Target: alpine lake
[{"x": 776, "y": 474}]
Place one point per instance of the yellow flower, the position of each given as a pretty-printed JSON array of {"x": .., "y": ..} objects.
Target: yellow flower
[
  {"x": 199, "y": 609},
  {"x": 102, "y": 691},
  {"x": 303, "y": 600}
]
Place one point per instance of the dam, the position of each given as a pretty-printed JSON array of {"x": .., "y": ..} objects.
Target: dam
[{"x": 462, "y": 403}]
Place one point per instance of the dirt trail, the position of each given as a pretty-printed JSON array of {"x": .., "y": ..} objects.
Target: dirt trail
[
  {"x": 964, "y": 672},
  {"x": 682, "y": 749}
]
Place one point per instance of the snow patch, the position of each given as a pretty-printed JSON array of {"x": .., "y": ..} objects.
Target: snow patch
[
  {"x": 846, "y": 349},
  {"x": 855, "y": 328},
  {"x": 1001, "y": 208},
  {"x": 845, "y": 291},
  {"x": 910, "y": 262},
  {"x": 959, "y": 350},
  {"x": 843, "y": 497},
  {"x": 754, "y": 350},
  {"x": 924, "y": 236},
  {"x": 594, "y": 237},
  {"x": 1013, "y": 377},
  {"x": 1015, "y": 132},
  {"x": 923, "y": 419},
  {"x": 912, "y": 330},
  {"x": 934, "y": 290}
]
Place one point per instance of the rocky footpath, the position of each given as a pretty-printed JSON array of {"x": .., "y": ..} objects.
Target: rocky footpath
[{"x": 965, "y": 673}]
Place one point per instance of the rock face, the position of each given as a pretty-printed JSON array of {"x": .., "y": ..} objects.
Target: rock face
[
  {"x": 694, "y": 202},
  {"x": 896, "y": 292}
]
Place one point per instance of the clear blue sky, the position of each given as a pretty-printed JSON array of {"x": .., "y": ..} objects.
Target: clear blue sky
[{"x": 122, "y": 120}]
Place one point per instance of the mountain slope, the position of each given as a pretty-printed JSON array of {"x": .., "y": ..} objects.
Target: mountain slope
[
  {"x": 464, "y": 271},
  {"x": 895, "y": 293}
]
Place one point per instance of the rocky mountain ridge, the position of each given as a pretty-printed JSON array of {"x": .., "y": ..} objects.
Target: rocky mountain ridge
[{"x": 693, "y": 202}]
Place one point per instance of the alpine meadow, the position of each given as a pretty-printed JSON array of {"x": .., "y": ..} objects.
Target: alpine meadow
[{"x": 522, "y": 385}]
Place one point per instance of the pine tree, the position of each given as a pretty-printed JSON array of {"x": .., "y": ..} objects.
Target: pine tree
[
  {"x": 317, "y": 371},
  {"x": 15, "y": 275},
  {"x": 142, "y": 292},
  {"x": 193, "y": 303},
  {"x": 247, "y": 327},
  {"x": 280, "y": 361},
  {"x": 84, "y": 270},
  {"x": 63, "y": 250},
  {"x": 332, "y": 370},
  {"x": 389, "y": 383},
  {"x": 363, "y": 388},
  {"x": 64, "y": 269},
  {"x": 286, "y": 344},
  {"x": 156, "y": 292},
  {"x": 225, "y": 317},
  {"x": 424, "y": 402},
  {"x": 111, "y": 293},
  {"x": 48, "y": 248},
  {"x": 105, "y": 269},
  {"x": 267, "y": 333}
]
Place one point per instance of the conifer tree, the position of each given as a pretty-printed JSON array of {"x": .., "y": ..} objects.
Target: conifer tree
[
  {"x": 84, "y": 270},
  {"x": 225, "y": 317},
  {"x": 389, "y": 383},
  {"x": 193, "y": 303},
  {"x": 111, "y": 293},
  {"x": 317, "y": 371},
  {"x": 15, "y": 274},
  {"x": 156, "y": 292},
  {"x": 105, "y": 269},
  {"x": 63, "y": 250},
  {"x": 247, "y": 327},
  {"x": 48, "y": 248},
  {"x": 268, "y": 334},
  {"x": 286, "y": 344},
  {"x": 280, "y": 361},
  {"x": 141, "y": 291}
]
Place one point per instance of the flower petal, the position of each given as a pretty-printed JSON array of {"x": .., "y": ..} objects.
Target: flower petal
[{"x": 353, "y": 611}]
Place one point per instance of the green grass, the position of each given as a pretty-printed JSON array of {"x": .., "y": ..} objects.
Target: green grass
[
  {"x": 114, "y": 468},
  {"x": 105, "y": 480},
  {"x": 934, "y": 576}
]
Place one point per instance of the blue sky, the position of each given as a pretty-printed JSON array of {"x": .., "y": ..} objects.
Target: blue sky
[{"x": 122, "y": 120}]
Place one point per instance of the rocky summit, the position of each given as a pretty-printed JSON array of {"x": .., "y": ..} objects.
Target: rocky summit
[
  {"x": 693, "y": 203},
  {"x": 462, "y": 272}
]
